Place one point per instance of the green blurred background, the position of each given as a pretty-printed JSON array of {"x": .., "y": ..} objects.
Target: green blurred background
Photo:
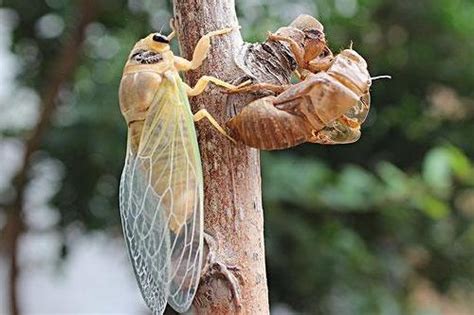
[{"x": 382, "y": 226}]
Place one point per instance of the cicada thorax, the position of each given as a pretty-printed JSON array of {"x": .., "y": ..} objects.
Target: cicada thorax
[
  {"x": 349, "y": 69},
  {"x": 141, "y": 80},
  {"x": 136, "y": 94}
]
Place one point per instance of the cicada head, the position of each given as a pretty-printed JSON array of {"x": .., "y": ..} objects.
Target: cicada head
[
  {"x": 314, "y": 39},
  {"x": 149, "y": 50}
]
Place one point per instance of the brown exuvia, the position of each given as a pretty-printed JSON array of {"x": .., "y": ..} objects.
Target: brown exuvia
[{"x": 327, "y": 106}]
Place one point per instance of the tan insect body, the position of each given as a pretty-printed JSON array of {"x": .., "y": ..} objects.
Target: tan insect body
[{"x": 161, "y": 189}]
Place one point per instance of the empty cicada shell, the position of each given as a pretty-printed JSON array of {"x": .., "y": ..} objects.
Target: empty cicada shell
[{"x": 327, "y": 107}]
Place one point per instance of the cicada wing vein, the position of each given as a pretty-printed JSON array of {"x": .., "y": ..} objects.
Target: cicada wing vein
[{"x": 161, "y": 203}]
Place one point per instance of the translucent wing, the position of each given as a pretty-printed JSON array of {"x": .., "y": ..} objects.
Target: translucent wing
[{"x": 161, "y": 202}]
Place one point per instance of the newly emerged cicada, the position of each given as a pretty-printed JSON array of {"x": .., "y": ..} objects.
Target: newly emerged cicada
[
  {"x": 161, "y": 188},
  {"x": 328, "y": 106}
]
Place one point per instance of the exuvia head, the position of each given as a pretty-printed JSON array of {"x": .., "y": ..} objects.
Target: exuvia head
[
  {"x": 305, "y": 22},
  {"x": 314, "y": 43},
  {"x": 354, "y": 56},
  {"x": 314, "y": 34}
]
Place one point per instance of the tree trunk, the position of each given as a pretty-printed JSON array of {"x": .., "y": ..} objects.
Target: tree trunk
[{"x": 235, "y": 278}]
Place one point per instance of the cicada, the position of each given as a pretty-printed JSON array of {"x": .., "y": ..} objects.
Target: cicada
[
  {"x": 161, "y": 188},
  {"x": 328, "y": 106}
]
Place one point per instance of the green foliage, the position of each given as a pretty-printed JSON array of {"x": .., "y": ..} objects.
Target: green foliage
[{"x": 350, "y": 229}]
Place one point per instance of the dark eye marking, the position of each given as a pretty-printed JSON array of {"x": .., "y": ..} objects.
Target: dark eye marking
[
  {"x": 146, "y": 57},
  {"x": 326, "y": 52},
  {"x": 313, "y": 34},
  {"x": 160, "y": 39}
]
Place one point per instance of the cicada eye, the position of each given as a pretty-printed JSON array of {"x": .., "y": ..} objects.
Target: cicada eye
[
  {"x": 314, "y": 34},
  {"x": 160, "y": 39},
  {"x": 326, "y": 52}
]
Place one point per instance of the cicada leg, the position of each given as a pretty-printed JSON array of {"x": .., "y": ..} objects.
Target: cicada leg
[
  {"x": 203, "y": 113},
  {"x": 258, "y": 87},
  {"x": 320, "y": 64},
  {"x": 296, "y": 49},
  {"x": 204, "y": 81},
  {"x": 200, "y": 52},
  {"x": 350, "y": 122},
  {"x": 338, "y": 132}
]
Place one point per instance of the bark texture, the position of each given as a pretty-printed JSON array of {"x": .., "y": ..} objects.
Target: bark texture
[{"x": 235, "y": 278}]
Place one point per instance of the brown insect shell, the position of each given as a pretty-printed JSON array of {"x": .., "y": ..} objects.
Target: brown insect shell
[
  {"x": 263, "y": 126},
  {"x": 351, "y": 70},
  {"x": 320, "y": 98},
  {"x": 293, "y": 33},
  {"x": 296, "y": 30},
  {"x": 295, "y": 116},
  {"x": 302, "y": 31}
]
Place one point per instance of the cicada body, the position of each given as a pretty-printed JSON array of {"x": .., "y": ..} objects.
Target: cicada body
[
  {"x": 161, "y": 188},
  {"x": 327, "y": 107}
]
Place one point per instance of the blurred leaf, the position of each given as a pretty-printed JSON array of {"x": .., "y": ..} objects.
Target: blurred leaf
[
  {"x": 441, "y": 164},
  {"x": 437, "y": 170},
  {"x": 461, "y": 165},
  {"x": 355, "y": 188},
  {"x": 397, "y": 183},
  {"x": 302, "y": 179},
  {"x": 434, "y": 208}
]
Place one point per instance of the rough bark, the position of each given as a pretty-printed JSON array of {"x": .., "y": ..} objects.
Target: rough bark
[
  {"x": 235, "y": 279},
  {"x": 66, "y": 63}
]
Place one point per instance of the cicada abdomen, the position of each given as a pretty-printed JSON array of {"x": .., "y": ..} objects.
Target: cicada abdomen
[{"x": 262, "y": 125}]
